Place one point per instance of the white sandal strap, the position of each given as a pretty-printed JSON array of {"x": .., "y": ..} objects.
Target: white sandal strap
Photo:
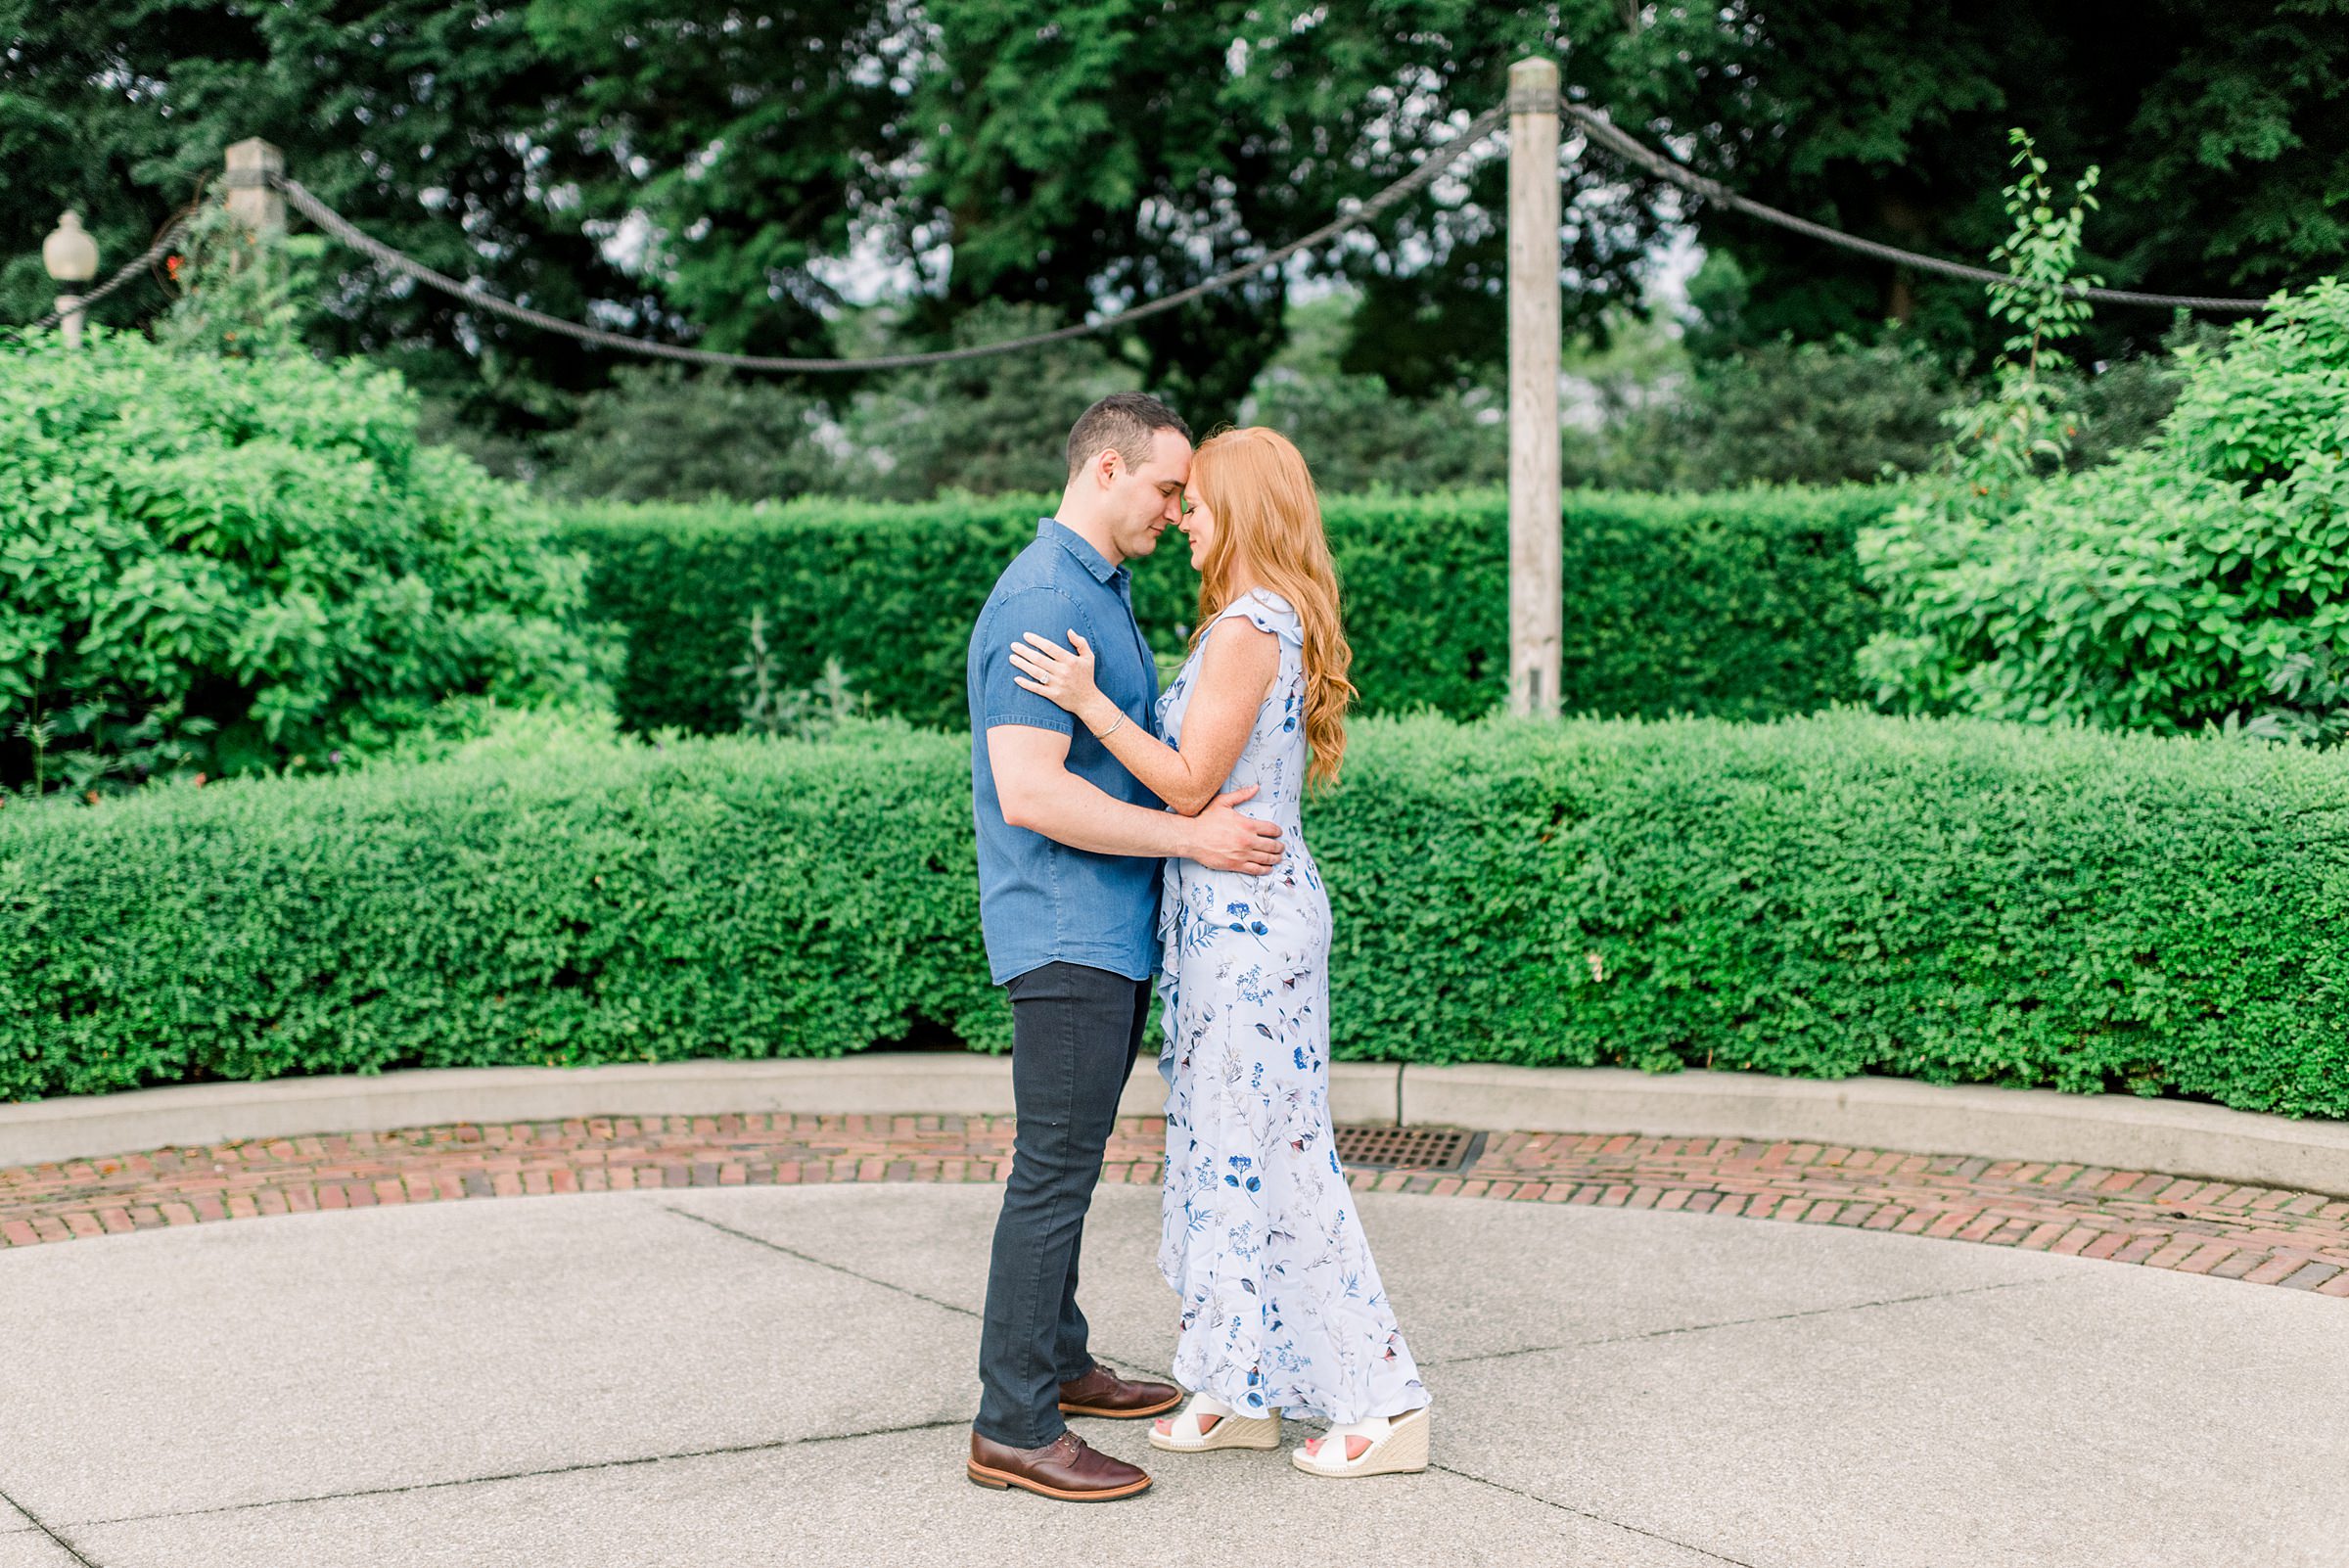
[
  {"x": 1191, "y": 1428},
  {"x": 1332, "y": 1453}
]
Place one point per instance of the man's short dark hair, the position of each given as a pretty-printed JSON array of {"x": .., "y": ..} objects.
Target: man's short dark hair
[{"x": 1125, "y": 421}]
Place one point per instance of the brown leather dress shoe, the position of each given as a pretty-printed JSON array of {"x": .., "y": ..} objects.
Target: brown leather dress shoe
[
  {"x": 1102, "y": 1392},
  {"x": 1064, "y": 1469}
]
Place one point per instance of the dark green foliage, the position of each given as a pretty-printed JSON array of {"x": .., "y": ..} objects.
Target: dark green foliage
[
  {"x": 658, "y": 435},
  {"x": 890, "y": 592},
  {"x": 1747, "y": 605},
  {"x": 754, "y": 141},
  {"x": 435, "y": 125},
  {"x": 979, "y": 427},
  {"x": 989, "y": 426},
  {"x": 1073, "y": 151},
  {"x": 1064, "y": 153},
  {"x": 1948, "y": 900},
  {"x": 1358, "y": 433},
  {"x": 1788, "y": 413},
  {"x": 1744, "y": 606},
  {"x": 1361, "y": 435},
  {"x": 2220, "y": 121},
  {"x": 2124, "y": 403}
]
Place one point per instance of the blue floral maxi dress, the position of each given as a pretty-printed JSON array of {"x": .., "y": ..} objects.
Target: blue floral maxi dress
[{"x": 1282, "y": 1308}]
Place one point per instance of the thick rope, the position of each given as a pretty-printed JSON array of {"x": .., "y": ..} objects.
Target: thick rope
[
  {"x": 343, "y": 229},
  {"x": 1606, "y": 134},
  {"x": 1600, "y": 130}
]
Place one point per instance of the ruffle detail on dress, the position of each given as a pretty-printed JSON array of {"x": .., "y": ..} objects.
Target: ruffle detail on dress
[{"x": 1267, "y": 611}]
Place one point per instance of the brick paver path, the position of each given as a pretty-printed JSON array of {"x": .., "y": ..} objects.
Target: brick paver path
[{"x": 2299, "y": 1240}]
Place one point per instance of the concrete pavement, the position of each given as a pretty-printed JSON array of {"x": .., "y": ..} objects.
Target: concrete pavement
[{"x": 743, "y": 1377}]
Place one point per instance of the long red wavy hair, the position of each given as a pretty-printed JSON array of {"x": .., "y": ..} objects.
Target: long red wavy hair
[{"x": 1267, "y": 528}]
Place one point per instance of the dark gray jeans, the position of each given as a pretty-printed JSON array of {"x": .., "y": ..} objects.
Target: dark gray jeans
[{"x": 1075, "y": 1033}]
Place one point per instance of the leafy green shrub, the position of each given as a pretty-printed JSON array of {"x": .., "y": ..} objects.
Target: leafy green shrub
[
  {"x": 800, "y": 712},
  {"x": 244, "y": 294},
  {"x": 1742, "y": 606},
  {"x": 2025, "y": 425},
  {"x": 2202, "y": 579},
  {"x": 1847, "y": 893},
  {"x": 219, "y": 564},
  {"x": 1948, "y": 901},
  {"x": 588, "y": 902}
]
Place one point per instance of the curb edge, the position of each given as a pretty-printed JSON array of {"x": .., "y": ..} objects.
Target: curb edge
[{"x": 2120, "y": 1132}]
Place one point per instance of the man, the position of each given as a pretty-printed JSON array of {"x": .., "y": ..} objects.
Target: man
[{"x": 1070, "y": 845}]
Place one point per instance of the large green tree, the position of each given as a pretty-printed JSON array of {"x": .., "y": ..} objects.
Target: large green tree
[
  {"x": 700, "y": 170},
  {"x": 704, "y": 169},
  {"x": 1089, "y": 153},
  {"x": 756, "y": 140},
  {"x": 2222, "y": 127},
  {"x": 490, "y": 141},
  {"x": 423, "y": 121}
]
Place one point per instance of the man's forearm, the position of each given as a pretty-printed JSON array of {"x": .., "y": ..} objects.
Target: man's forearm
[{"x": 1069, "y": 810}]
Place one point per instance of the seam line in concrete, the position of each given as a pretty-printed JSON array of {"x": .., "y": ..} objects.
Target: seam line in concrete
[
  {"x": 1099, "y": 1357},
  {"x": 1585, "y": 1513},
  {"x": 727, "y": 1451},
  {"x": 1547, "y": 1503},
  {"x": 1745, "y": 1322},
  {"x": 820, "y": 1262},
  {"x": 39, "y": 1524}
]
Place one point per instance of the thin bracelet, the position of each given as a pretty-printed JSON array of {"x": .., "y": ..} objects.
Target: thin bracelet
[{"x": 1112, "y": 729}]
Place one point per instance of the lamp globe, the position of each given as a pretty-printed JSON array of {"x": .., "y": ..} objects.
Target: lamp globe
[{"x": 69, "y": 254}]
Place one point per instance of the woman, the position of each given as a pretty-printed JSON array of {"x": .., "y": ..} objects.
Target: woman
[{"x": 1282, "y": 1309}]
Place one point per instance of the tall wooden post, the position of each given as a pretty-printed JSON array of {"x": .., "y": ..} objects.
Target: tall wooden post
[
  {"x": 1536, "y": 594},
  {"x": 251, "y": 197}
]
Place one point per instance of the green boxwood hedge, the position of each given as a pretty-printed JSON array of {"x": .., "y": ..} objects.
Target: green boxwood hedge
[
  {"x": 1738, "y": 606},
  {"x": 1948, "y": 901}
]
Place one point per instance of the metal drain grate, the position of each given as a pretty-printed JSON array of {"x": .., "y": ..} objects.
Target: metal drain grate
[{"x": 1408, "y": 1148}]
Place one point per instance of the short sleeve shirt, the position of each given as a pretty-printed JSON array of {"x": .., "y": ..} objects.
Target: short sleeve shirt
[{"x": 1041, "y": 901}]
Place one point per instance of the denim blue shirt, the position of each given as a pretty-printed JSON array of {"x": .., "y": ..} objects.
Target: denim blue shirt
[{"x": 1039, "y": 901}]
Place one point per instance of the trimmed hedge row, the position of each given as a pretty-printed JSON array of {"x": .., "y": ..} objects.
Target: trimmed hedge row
[
  {"x": 1740, "y": 605},
  {"x": 1824, "y": 897}
]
